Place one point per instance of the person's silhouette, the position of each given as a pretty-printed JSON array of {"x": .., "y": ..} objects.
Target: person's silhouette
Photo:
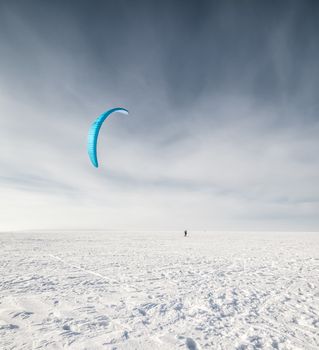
[{"x": 185, "y": 233}]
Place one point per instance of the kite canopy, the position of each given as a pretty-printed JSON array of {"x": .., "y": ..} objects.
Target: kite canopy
[{"x": 94, "y": 133}]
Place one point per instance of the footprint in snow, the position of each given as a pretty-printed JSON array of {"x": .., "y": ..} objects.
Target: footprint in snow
[
  {"x": 191, "y": 344},
  {"x": 8, "y": 326}
]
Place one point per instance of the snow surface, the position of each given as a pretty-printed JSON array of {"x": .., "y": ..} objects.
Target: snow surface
[{"x": 159, "y": 290}]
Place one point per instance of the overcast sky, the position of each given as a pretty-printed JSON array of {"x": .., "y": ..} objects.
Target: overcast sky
[{"x": 223, "y": 131}]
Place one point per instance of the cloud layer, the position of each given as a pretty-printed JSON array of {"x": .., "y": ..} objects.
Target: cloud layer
[{"x": 223, "y": 126}]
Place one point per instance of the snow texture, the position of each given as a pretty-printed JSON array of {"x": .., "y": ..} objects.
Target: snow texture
[{"x": 159, "y": 290}]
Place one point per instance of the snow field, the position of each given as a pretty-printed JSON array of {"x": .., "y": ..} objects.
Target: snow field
[{"x": 159, "y": 290}]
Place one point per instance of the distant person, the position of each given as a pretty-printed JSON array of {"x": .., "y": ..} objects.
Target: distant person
[{"x": 185, "y": 233}]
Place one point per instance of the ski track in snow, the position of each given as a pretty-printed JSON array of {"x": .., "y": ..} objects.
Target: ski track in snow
[{"x": 159, "y": 290}]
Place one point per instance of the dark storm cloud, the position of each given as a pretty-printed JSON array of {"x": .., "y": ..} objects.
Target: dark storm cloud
[
  {"x": 183, "y": 49},
  {"x": 223, "y": 99}
]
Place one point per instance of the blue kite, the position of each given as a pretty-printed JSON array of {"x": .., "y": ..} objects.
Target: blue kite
[{"x": 94, "y": 133}]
